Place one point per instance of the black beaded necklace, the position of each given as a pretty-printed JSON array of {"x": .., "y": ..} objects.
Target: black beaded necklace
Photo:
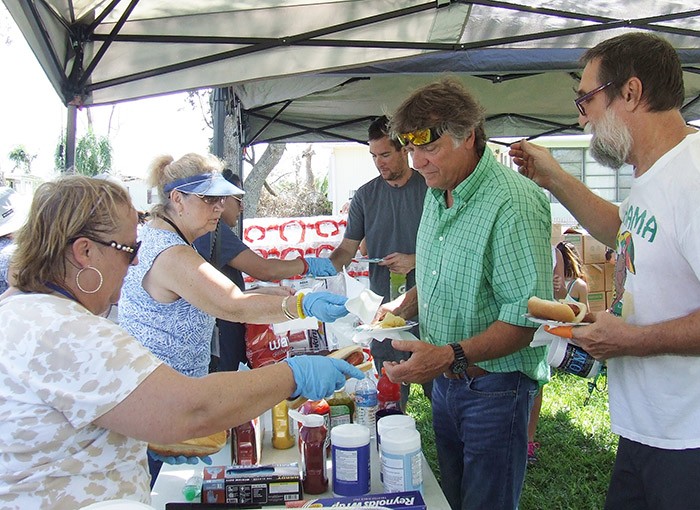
[{"x": 177, "y": 230}]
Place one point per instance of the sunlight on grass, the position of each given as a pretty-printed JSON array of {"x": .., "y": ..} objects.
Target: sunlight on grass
[{"x": 577, "y": 448}]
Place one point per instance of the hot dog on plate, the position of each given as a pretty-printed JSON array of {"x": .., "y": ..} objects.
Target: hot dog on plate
[{"x": 560, "y": 311}]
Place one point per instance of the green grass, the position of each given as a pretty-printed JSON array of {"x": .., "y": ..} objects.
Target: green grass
[{"x": 577, "y": 448}]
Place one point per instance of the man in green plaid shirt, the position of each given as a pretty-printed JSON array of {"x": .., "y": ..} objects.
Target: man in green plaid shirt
[{"x": 482, "y": 250}]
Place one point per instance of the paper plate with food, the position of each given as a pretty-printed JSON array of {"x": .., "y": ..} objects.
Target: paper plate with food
[
  {"x": 558, "y": 317},
  {"x": 389, "y": 323},
  {"x": 369, "y": 260}
]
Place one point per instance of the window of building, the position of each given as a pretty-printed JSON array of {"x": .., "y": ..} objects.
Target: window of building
[{"x": 612, "y": 185}]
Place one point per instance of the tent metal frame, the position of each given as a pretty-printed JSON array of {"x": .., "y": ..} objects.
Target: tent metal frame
[{"x": 76, "y": 85}]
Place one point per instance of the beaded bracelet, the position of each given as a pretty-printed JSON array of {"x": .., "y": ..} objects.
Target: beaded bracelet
[
  {"x": 284, "y": 309},
  {"x": 300, "y": 309},
  {"x": 306, "y": 267}
]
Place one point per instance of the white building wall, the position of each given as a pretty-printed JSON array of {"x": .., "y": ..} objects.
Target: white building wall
[
  {"x": 140, "y": 193},
  {"x": 350, "y": 167}
]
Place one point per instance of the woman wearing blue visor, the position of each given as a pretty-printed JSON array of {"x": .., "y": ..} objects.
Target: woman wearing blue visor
[{"x": 171, "y": 298}]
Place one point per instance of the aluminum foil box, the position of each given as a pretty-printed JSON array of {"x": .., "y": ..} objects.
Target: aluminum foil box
[{"x": 270, "y": 484}]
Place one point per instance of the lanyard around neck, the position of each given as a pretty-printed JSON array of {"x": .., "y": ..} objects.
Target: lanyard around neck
[
  {"x": 177, "y": 230},
  {"x": 62, "y": 291}
]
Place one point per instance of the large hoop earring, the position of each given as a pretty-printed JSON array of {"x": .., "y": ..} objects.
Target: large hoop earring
[{"x": 77, "y": 280}]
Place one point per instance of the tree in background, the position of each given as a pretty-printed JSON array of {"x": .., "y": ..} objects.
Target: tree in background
[
  {"x": 21, "y": 158},
  {"x": 299, "y": 195},
  {"x": 202, "y": 101},
  {"x": 257, "y": 178},
  {"x": 262, "y": 199},
  {"x": 93, "y": 154}
]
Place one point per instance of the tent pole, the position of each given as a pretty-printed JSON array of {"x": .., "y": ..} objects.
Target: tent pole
[
  {"x": 71, "y": 122},
  {"x": 218, "y": 111},
  {"x": 232, "y": 139}
]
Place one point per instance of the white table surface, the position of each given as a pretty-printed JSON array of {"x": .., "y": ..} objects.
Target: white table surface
[{"x": 170, "y": 481}]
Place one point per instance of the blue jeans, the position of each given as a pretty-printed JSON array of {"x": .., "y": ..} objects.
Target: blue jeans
[{"x": 481, "y": 437}]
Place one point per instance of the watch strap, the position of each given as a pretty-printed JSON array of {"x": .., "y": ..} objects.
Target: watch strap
[{"x": 459, "y": 365}]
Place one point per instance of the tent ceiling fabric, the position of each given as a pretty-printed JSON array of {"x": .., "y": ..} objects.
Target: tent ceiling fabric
[{"x": 322, "y": 68}]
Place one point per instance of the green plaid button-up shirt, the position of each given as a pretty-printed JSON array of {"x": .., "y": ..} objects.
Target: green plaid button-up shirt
[{"x": 480, "y": 260}]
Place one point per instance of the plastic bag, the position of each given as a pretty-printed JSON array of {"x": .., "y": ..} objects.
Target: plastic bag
[{"x": 263, "y": 346}]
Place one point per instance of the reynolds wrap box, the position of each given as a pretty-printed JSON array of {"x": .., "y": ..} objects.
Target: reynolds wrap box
[
  {"x": 410, "y": 500},
  {"x": 269, "y": 484}
]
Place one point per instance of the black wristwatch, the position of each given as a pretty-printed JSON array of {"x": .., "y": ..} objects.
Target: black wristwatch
[{"x": 459, "y": 365}]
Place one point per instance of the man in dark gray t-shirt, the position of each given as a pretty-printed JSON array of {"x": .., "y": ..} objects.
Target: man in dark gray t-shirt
[{"x": 385, "y": 212}]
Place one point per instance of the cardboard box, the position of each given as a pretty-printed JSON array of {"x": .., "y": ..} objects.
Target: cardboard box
[
  {"x": 596, "y": 302},
  {"x": 595, "y": 277},
  {"x": 609, "y": 296},
  {"x": 593, "y": 251},
  {"x": 271, "y": 484},
  {"x": 410, "y": 500},
  {"x": 609, "y": 276},
  {"x": 557, "y": 233},
  {"x": 576, "y": 240},
  {"x": 589, "y": 249}
]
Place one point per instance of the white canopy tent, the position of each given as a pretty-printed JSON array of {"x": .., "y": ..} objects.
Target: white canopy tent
[{"x": 305, "y": 70}]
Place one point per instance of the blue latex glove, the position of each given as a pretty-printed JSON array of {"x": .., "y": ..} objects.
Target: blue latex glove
[
  {"x": 320, "y": 266},
  {"x": 318, "y": 377},
  {"x": 325, "y": 306},
  {"x": 180, "y": 459}
]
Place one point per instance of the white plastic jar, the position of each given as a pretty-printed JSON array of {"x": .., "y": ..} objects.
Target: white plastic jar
[
  {"x": 402, "y": 460},
  {"x": 393, "y": 421}
]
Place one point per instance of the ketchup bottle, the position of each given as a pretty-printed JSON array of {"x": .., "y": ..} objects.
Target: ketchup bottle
[
  {"x": 388, "y": 393},
  {"x": 313, "y": 454},
  {"x": 388, "y": 399},
  {"x": 321, "y": 408}
]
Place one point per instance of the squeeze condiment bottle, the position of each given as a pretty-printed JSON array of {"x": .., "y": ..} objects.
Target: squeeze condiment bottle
[
  {"x": 388, "y": 393},
  {"x": 321, "y": 408},
  {"x": 282, "y": 437},
  {"x": 312, "y": 434}
]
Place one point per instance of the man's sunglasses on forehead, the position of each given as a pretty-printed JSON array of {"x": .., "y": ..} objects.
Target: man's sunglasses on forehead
[{"x": 419, "y": 136}]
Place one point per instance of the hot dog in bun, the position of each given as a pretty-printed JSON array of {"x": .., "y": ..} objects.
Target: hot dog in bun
[
  {"x": 561, "y": 311},
  {"x": 197, "y": 447},
  {"x": 354, "y": 355}
]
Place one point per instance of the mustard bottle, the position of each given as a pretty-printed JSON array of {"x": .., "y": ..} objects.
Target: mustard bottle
[{"x": 281, "y": 434}]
